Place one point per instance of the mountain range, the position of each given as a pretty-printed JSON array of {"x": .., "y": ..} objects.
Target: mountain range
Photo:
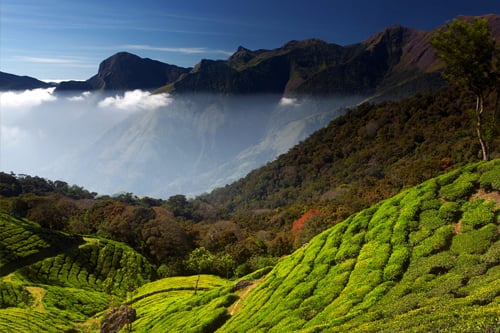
[
  {"x": 216, "y": 130},
  {"x": 396, "y": 58}
]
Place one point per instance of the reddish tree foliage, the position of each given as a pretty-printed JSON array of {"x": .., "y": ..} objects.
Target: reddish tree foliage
[{"x": 298, "y": 225}]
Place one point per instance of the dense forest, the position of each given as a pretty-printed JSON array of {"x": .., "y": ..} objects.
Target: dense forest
[{"x": 369, "y": 154}]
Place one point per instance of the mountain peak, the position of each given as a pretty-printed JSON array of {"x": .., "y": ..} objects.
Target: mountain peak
[
  {"x": 303, "y": 43},
  {"x": 127, "y": 71},
  {"x": 241, "y": 55}
]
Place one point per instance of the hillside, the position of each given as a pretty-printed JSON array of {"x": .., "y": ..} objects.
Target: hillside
[
  {"x": 51, "y": 281},
  {"x": 426, "y": 259},
  {"x": 371, "y": 152}
]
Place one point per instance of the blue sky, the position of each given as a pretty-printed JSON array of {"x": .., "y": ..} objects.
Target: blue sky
[{"x": 67, "y": 39}]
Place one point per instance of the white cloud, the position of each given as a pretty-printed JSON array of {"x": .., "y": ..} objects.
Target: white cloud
[
  {"x": 42, "y": 60},
  {"x": 288, "y": 101},
  {"x": 183, "y": 50},
  {"x": 26, "y": 99},
  {"x": 136, "y": 100},
  {"x": 79, "y": 98}
]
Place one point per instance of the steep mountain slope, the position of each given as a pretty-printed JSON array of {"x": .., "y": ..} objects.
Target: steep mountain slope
[
  {"x": 370, "y": 153},
  {"x": 393, "y": 63},
  {"x": 318, "y": 68},
  {"x": 427, "y": 259},
  {"x": 16, "y": 82},
  {"x": 126, "y": 71}
]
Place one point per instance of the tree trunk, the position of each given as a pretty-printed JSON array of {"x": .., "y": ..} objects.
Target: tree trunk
[
  {"x": 479, "y": 115},
  {"x": 196, "y": 285}
]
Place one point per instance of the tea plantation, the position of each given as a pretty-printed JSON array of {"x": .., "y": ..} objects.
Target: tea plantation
[{"x": 426, "y": 260}]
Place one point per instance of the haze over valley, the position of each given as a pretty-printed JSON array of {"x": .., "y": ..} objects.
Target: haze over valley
[{"x": 155, "y": 145}]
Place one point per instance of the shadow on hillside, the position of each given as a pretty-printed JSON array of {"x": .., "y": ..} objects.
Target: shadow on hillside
[{"x": 58, "y": 244}]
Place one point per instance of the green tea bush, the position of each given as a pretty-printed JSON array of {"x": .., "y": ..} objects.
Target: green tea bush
[
  {"x": 430, "y": 204},
  {"x": 492, "y": 256},
  {"x": 449, "y": 177},
  {"x": 397, "y": 263},
  {"x": 83, "y": 303},
  {"x": 12, "y": 295},
  {"x": 477, "y": 213},
  {"x": 429, "y": 219},
  {"x": 461, "y": 188},
  {"x": 438, "y": 241},
  {"x": 350, "y": 247},
  {"x": 490, "y": 180},
  {"x": 475, "y": 241},
  {"x": 449, "y": 212}
]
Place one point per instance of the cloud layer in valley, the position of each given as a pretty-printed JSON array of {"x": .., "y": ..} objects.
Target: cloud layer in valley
[
  {"x": 38, "y": 127},
  {"x": 151, "y": 144}
]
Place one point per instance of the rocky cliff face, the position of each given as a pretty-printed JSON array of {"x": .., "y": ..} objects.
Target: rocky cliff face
[
  {"x": 126, "y": 71},
  {"x": 316, "y": 67}
]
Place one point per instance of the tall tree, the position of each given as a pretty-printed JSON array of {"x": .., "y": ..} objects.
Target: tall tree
[
  {"x": 469, "y": 53},
  {"x": 199, "y": 260}
]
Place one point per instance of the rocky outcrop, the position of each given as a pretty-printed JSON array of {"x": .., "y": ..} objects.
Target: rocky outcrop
[{"x": 117, "y": 318}]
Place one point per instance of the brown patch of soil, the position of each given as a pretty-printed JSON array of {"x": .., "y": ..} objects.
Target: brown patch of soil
[{"x": 493, "y": 195}]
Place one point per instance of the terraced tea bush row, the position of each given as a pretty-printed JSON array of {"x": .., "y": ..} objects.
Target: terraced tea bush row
[
  {"x": 15, "y": 320},
  {"x": 168, "y": 310},
  {"x": 101, "y": 265},
  {"x": 13, "y": 295},
  {"x": 19, "y": 239}
]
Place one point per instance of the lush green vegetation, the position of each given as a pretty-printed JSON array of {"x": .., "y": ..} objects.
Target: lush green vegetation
[
  {"x": 50, "y": 281},
  {"x": 426, "y": 259}
]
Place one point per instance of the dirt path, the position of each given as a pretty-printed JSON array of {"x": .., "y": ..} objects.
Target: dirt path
[
  {"x": 37, "y": 294},
  {"x": 243, "y": 294}
]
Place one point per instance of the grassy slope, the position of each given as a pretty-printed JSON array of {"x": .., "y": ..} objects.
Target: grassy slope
[{"x": 424, "y": 260}]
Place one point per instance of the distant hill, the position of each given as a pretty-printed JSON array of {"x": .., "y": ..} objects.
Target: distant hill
[
  {"x": 126, "y": 71},
  {"x": 16, "y": 82}
]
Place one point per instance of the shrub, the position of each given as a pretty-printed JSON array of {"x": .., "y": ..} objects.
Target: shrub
[
  {"x": 475, "y": 241},
  {"x": 430, "y": 219},
  {"x": 438, "y": 241},
  {"x": 492, "y": 256},
  {"x": 397, "y": 263},
  {"x": 478, "y": 213},
  {"x": 449, "y": 212},
  {"x": 461, "y": 188},
  {"x": 490, "y": 180}
]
